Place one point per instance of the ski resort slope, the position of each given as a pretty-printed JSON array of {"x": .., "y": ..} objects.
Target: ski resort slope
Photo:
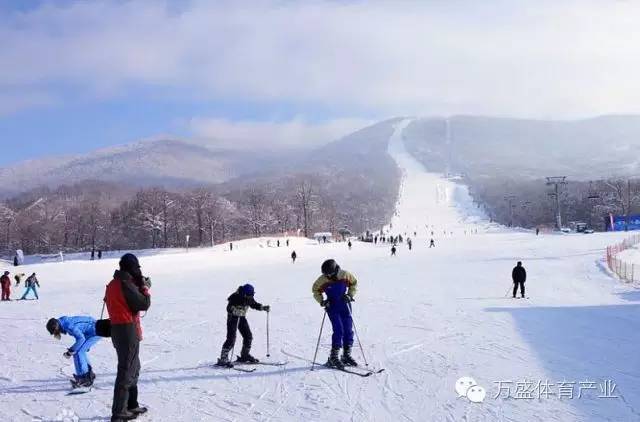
[{"x": 428, "y": 316}]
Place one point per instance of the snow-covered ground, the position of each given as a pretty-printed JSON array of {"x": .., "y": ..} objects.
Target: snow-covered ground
[{"x": 428, "y": 316}]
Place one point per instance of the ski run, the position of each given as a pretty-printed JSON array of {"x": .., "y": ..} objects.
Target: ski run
[{"x": 428, "y": 316}]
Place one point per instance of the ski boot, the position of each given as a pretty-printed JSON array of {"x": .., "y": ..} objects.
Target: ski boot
[
  {"x": 140, "y": 410},
  {"x": 128, "y": 416},
  {"x": 334, "y": 361},
  {"x": 245, "y": 357},
  {"x": 223, "y": 360},
  {"x": 347, "y": 359}
]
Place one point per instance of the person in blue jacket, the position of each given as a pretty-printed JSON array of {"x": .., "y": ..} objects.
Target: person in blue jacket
[{"x": 83, "y": 329}]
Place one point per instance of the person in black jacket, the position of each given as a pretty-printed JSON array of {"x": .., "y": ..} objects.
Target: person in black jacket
[
  {"x": 519, "y": 276},
  {"x": 239, "y": 302},
  {"x": 126, "y": 296}
]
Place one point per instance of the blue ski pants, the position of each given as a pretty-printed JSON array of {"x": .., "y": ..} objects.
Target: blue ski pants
[{"x": 81, "y": 359}]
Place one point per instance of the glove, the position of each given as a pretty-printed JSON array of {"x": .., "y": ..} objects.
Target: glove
[
  {"x": 67, "y": 354},
  {"x": 146, "y": 281},
  {"x": 347, "y": 298},
  {"x": 144, "y": 290},
  {"x": 266, "y": 308},
  {"x": 325, "y": 303}
]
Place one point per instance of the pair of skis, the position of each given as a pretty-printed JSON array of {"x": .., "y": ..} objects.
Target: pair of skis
[
  {"x": 353, "y": 370},
  {"x": 237, "y": 366}
]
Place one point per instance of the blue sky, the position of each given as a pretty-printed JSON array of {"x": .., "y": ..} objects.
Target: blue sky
[{"x": 76, "y": 76}]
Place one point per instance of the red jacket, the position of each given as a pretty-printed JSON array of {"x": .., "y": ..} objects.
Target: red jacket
[
  {"x": 125, "y": 300},
  {"x": 5, "y": 281}
]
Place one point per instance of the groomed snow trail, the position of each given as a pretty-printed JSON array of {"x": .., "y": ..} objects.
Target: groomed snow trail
[{"x": 429, "y": 316}]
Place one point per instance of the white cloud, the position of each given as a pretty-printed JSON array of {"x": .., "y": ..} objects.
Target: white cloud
[
  {"x": 222, "y": 133},
  {"x": 537, "y": 58}
]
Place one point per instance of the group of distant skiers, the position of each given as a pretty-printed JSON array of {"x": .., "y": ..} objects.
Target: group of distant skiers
[{"x": 30, "y": 285}]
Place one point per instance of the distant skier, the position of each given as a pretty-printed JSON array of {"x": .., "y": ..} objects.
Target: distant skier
[
  {"x": 278, "y": 242},
  {"x": 83, "y": 329},
  {"x": 409, "y": 243},
  {"x": 294, "y": 256},
  {"x": 100, "y": 254},
  {"x": 230, "y": 246},
  {"x": 537, "y": 231},
  {"x": 287, "y": 242},
  {"x": 93, "y": 254},
  {"x": 340, "y": 287},
  {"x": 349, "y": 245},
  {"x": 432, "y": 243},
  {"x": 18, "y": 278},
  {"x": 393, "y": 250},
  {"x": 239, "y": 302},
  {"x": 519, "y": 276},
  {"x": 375, "y": 240},
  {"x": 5, "y": 282},
  {"x": 31, "y": 283}
]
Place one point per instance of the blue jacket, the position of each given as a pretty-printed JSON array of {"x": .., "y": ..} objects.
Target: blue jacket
[{"x": 80, "y": 327}]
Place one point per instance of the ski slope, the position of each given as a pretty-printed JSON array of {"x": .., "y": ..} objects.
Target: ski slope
[{"x": 428, "y": 316}]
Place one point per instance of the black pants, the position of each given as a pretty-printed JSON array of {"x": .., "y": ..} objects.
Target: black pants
[
  {"x": 515, "y": 288},
  {"x": 125, "y": 390},
  {"x": 240, "y": 324}
]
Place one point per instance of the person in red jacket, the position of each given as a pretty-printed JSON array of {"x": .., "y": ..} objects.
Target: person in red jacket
[
  {"x": 5, "y": 281},
  {"x": 126, "y": 296}
]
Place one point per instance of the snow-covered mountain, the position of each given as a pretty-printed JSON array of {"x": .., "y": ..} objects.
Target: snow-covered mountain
[
  {"x": 600, "y": 147},
  {"x": 162, "y": 162}
]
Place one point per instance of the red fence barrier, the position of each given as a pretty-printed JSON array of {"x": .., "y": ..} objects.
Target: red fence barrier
[{"x": 624, "y": 270}]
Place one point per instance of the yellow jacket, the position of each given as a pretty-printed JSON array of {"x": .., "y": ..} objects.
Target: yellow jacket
[{"x": 323, "y": 282}]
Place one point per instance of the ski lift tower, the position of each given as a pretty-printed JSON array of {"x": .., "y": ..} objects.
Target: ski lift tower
[{"x": 557, "y": 181}]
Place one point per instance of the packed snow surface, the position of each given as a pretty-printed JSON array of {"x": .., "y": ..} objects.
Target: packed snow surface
[{"x": 429, "y": 316}]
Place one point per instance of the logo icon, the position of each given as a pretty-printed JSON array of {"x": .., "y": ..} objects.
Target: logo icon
[
  {"x": 469, "y": 388},
  {"x": 67, "y": 415}
]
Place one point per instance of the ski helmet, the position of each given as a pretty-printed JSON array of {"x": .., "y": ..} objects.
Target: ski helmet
[
  {"x": 330, "y": 268},
  {"x": 53, "y": 326},
  {"x": 247, "y": 290},
  {"x": 129, "y": 263}
]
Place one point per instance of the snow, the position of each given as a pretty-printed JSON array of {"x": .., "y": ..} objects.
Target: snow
[{"x": 428, "y": 316}]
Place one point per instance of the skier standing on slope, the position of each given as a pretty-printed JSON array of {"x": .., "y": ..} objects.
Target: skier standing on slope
[
  {"x": 519, "y": 276},
  {"x": 340, "y": 287},
  {"x": 31, "y": 283},
  {"x": 294, "y": 256},
  {"x": 126, "y": 296},
  {"x": 349, "y": 244},
  {"x": 239, "y": 302},
  {"x": 432, "y": 243},
  {"x": 5, "y": 282},
  {"x": 83, "y": 329},
  {"x": 393, "y": 250}
]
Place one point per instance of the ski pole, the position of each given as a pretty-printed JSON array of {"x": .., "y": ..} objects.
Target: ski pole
[
  {"x": 508, "y": 290},
  {"x": 315, "y": 355},
  {"x": 268, "y": 355},
  {"x": 355, "y": 330}
]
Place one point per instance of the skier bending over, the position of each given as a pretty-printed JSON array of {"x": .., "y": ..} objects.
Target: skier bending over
[
  {"x": 239, "y": 302},
  {"x": 31, "y": 283},
  {"x": 83, "y": 329},
  {"x": 519, "y": 276},
  {"x": 5, "y": 281},
  {"x": 339, "y": 286}
]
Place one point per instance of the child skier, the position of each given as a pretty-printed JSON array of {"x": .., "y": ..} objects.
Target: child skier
[
  {"x": 31, "y": 283},
  {"x": 83, "y": 329},
  {"x": 339, "y": 286},
  {"x": 5, "y": 281},
  {"x": 239, "y": 302}
]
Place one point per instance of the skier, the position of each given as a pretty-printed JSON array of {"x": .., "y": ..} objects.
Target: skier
[
  {"x": 15, "y": 261},
  {"x": 230, "y": 246},
  {"x": 519, "y": 276},
  {"x": 125, "y": 297},
  {"x": 349, "y": 244},
  {"x": 340, "y": 287},
  {"x": 393, "y": 250},
  {"x": 278, "y": 243},
  {"x": 287, "y": 243},
  {"x": 537, "y": 231},
  {"x": 239, "y": 302},
  {"x": 409, "y": 243},
  {"x": 93, "y": 254},
  {"x": 100, "y": 254},
  {"x": 18, "y": 278},
  {"x": 5, "y": 281},
  {"x": 30, "y": 283},
  {"x": 294, "y": 256},
  {"x": 83, "y": 329},
  {"x": 432, "y": 243}
]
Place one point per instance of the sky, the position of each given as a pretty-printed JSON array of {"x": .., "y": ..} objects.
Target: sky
[{"x": 76, "y": 76}]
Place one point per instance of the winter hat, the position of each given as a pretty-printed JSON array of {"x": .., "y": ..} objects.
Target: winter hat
[
  {"x": 129, "y": 263},
  {"x": 330, "y": 268},
  {"x": 247, "y": 290}
]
